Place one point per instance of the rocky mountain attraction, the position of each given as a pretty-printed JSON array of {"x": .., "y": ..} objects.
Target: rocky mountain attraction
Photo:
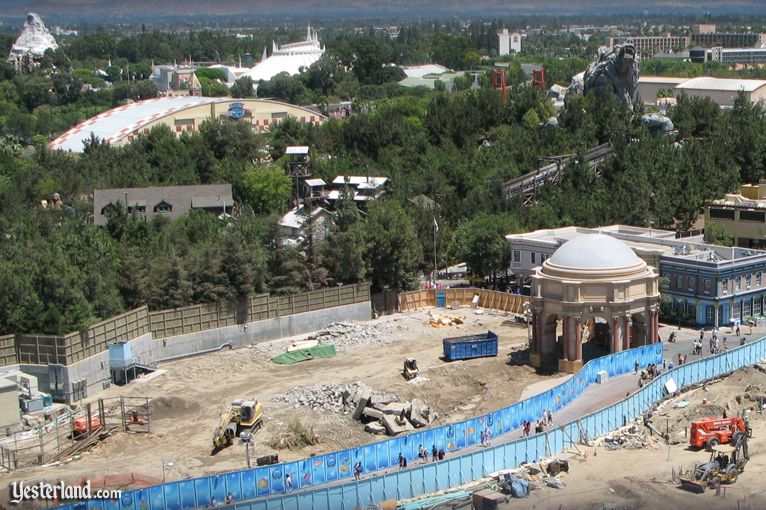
[{"x": 33, "y": 41}]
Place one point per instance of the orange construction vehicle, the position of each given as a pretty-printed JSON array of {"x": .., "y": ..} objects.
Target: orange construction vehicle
[{"x": 710, "y": 432}]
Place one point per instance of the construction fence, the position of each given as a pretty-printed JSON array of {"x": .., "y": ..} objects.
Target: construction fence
[
  {"x": 469, "y": 296},
  {"x": 336, "y": 468},
  {"x": 73, "y": 347},
  {"x": 59, "y": 438}
]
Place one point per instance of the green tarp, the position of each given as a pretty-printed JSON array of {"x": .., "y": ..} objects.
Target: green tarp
[{"x": 318, "y": 351}]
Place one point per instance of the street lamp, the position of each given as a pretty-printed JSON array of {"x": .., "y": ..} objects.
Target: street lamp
[
  {"x": 164, "y": 465},
  {"x": 246, "y": 437}
]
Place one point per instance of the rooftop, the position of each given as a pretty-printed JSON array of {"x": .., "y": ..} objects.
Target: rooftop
[
  {"x": 115, "y": 124},
  {"x": 645, "y": 242},
  {"x": 594, "y": 251},
  {"x": 722, "y": 84}
]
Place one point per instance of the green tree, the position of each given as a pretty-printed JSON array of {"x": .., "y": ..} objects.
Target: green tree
[
  {"x": 717, "y": 233},
  {"x": 266, "y": 189},
  {"x": 480, "y": 243},
  {"x": 393, "y": 251},
  {"x": 243, "y": 87},
  {"x": 346, "y": 245}
]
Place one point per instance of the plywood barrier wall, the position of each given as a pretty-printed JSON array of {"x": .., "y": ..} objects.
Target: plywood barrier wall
[{"x": 503, "y": 301}]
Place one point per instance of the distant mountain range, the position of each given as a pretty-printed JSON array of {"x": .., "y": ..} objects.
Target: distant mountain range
[{"x": 353, "y": 8}]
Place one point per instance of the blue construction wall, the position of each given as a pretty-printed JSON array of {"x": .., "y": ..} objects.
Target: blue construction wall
[{"x": 314, "y": 471}]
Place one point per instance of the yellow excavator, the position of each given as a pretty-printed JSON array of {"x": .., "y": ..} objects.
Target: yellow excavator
[{"x": 242, "y": 416}]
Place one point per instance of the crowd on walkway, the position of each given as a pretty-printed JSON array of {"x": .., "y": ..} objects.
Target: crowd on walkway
[{"x": 545, "y": 422}]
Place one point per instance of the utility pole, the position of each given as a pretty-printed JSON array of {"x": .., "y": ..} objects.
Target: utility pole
[{"x": 436, "y": 229}]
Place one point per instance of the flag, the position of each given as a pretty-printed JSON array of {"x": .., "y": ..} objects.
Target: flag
[{"x": 436, "y": 225}]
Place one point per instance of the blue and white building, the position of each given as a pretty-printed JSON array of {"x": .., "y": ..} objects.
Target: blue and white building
[{"x": 707, "y": 284}]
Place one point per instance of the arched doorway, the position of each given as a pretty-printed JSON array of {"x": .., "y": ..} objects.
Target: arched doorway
[{"x": 596, "y": 338}]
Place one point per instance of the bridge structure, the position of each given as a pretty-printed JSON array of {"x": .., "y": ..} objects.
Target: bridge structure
[{"x": 526, "y": 186}]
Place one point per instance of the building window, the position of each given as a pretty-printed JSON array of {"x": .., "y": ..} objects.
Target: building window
[
  {"x": 543, "y": 257},
  {"x": 757, "y": 306},
  {"x": 516, "y": 256},
  {"x": 757, "y": 216},
  {"x": 736, "y": 310},
  {"x": 748, "y": 280},
  {"x": 163, "y": 207},
  {"x": 746, "y": 308},
  {"x": 710, "y": 314},
  {"x": 737, "y": 282},
  {"x": 725, "y": 285},
  {"x": 722, "y": 214},
  {"x": 679, "y": 282},
  {"x": 692, "y": 284},
  {"x": 758, "y": 279},
  {"x": 708, "y": 285},
  {"x": 532, "y": 256},
  {"x": 691, "y": 311}
]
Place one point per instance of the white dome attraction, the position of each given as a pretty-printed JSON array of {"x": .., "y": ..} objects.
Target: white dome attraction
[{"x": 594, "y": 251}]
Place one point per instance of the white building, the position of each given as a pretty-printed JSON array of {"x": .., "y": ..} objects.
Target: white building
[
  {"x": 288, "y": 58},
  {"x": 508, "y": 42}
]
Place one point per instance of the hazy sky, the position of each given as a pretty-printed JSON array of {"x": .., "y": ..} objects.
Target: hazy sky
[{"x": 421, "y": 7}]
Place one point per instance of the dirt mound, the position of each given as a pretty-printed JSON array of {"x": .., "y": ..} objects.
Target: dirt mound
[{"x": 172, "y": 407}]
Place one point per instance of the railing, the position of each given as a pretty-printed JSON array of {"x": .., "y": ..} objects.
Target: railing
[{"x": 338, "y": 466}]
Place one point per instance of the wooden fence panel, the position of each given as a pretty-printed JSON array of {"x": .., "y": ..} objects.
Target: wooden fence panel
[
  {"x": 494, "y": 300},
  {"x": 8, "y": 354},
  {"x": 42, "y": 349}
]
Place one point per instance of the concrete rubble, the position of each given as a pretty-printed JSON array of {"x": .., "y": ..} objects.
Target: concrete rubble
[
  {"x": 344, "y": 335},
  {"x": 381, "y": 412},
  {"x": 631, "y": 437}
]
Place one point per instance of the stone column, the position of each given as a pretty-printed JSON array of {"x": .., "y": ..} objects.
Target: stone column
[
  {"x": 539, "y": 332},
  {"x": 616, "y": 334},
  {"x": 567, "y": 334},
  {"x": 578, "y": 338},
  {"x": 628, "y": 333}
]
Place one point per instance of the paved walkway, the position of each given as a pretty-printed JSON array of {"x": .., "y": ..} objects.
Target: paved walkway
[{"x": 597, "y": 396}]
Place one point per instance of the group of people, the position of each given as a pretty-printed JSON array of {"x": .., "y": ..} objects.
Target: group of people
[
  {"x": 485, "y": 435},
  {"x": 652, "y": 371},
  {"x": 545, "y": 421},
  {"x": 228, "y": 501}
]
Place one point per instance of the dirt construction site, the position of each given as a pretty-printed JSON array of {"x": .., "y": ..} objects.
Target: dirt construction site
[
  {"x": 632, "y": 468},
  {"x": 189, "y": 395}
]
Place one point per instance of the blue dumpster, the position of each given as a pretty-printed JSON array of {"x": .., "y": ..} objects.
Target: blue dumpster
[
  {"x": 441, "y": 298},
  {"x": 470, "y": 346}
]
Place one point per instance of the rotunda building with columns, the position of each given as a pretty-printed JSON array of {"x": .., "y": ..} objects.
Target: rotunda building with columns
[{"x": 595, "y": 290}]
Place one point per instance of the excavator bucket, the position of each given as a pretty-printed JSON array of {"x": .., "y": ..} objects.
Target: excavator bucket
[{"x": 692, "y": 485}]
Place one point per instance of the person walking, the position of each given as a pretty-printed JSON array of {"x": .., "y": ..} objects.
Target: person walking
[
  {"x": 725, "y": 346},
  {"x": 738, "y": 329},
  {"x": 550, "y": 418},
  {"x": 358, "y": 471},
  {"x": 289, "y": 482},
  {"x": 636, "y": 366},
  {"x": 401, "y": 460},
  {"x": 434, "y": 453}
]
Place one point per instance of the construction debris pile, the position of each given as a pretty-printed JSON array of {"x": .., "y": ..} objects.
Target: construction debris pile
[
  {"x": 344, "y": 335},
  {"x": 631, "y": 437},
  {"x": 381, "y": 412},
  {"x": 333, "y": 398},
  {"x": 445, "y": 321}
]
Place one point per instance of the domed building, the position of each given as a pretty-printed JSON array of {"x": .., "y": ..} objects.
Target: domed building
[{"x": 593, "y": 288}]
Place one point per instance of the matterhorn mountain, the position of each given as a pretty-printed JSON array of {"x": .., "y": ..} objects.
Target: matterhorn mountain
[{"x": 34, "y": 39}]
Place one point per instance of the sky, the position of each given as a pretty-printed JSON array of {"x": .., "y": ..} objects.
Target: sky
[{"x": 349, "y": 7}]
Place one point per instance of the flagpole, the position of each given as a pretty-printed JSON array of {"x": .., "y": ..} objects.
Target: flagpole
[{"x": 436, "y": 228}]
